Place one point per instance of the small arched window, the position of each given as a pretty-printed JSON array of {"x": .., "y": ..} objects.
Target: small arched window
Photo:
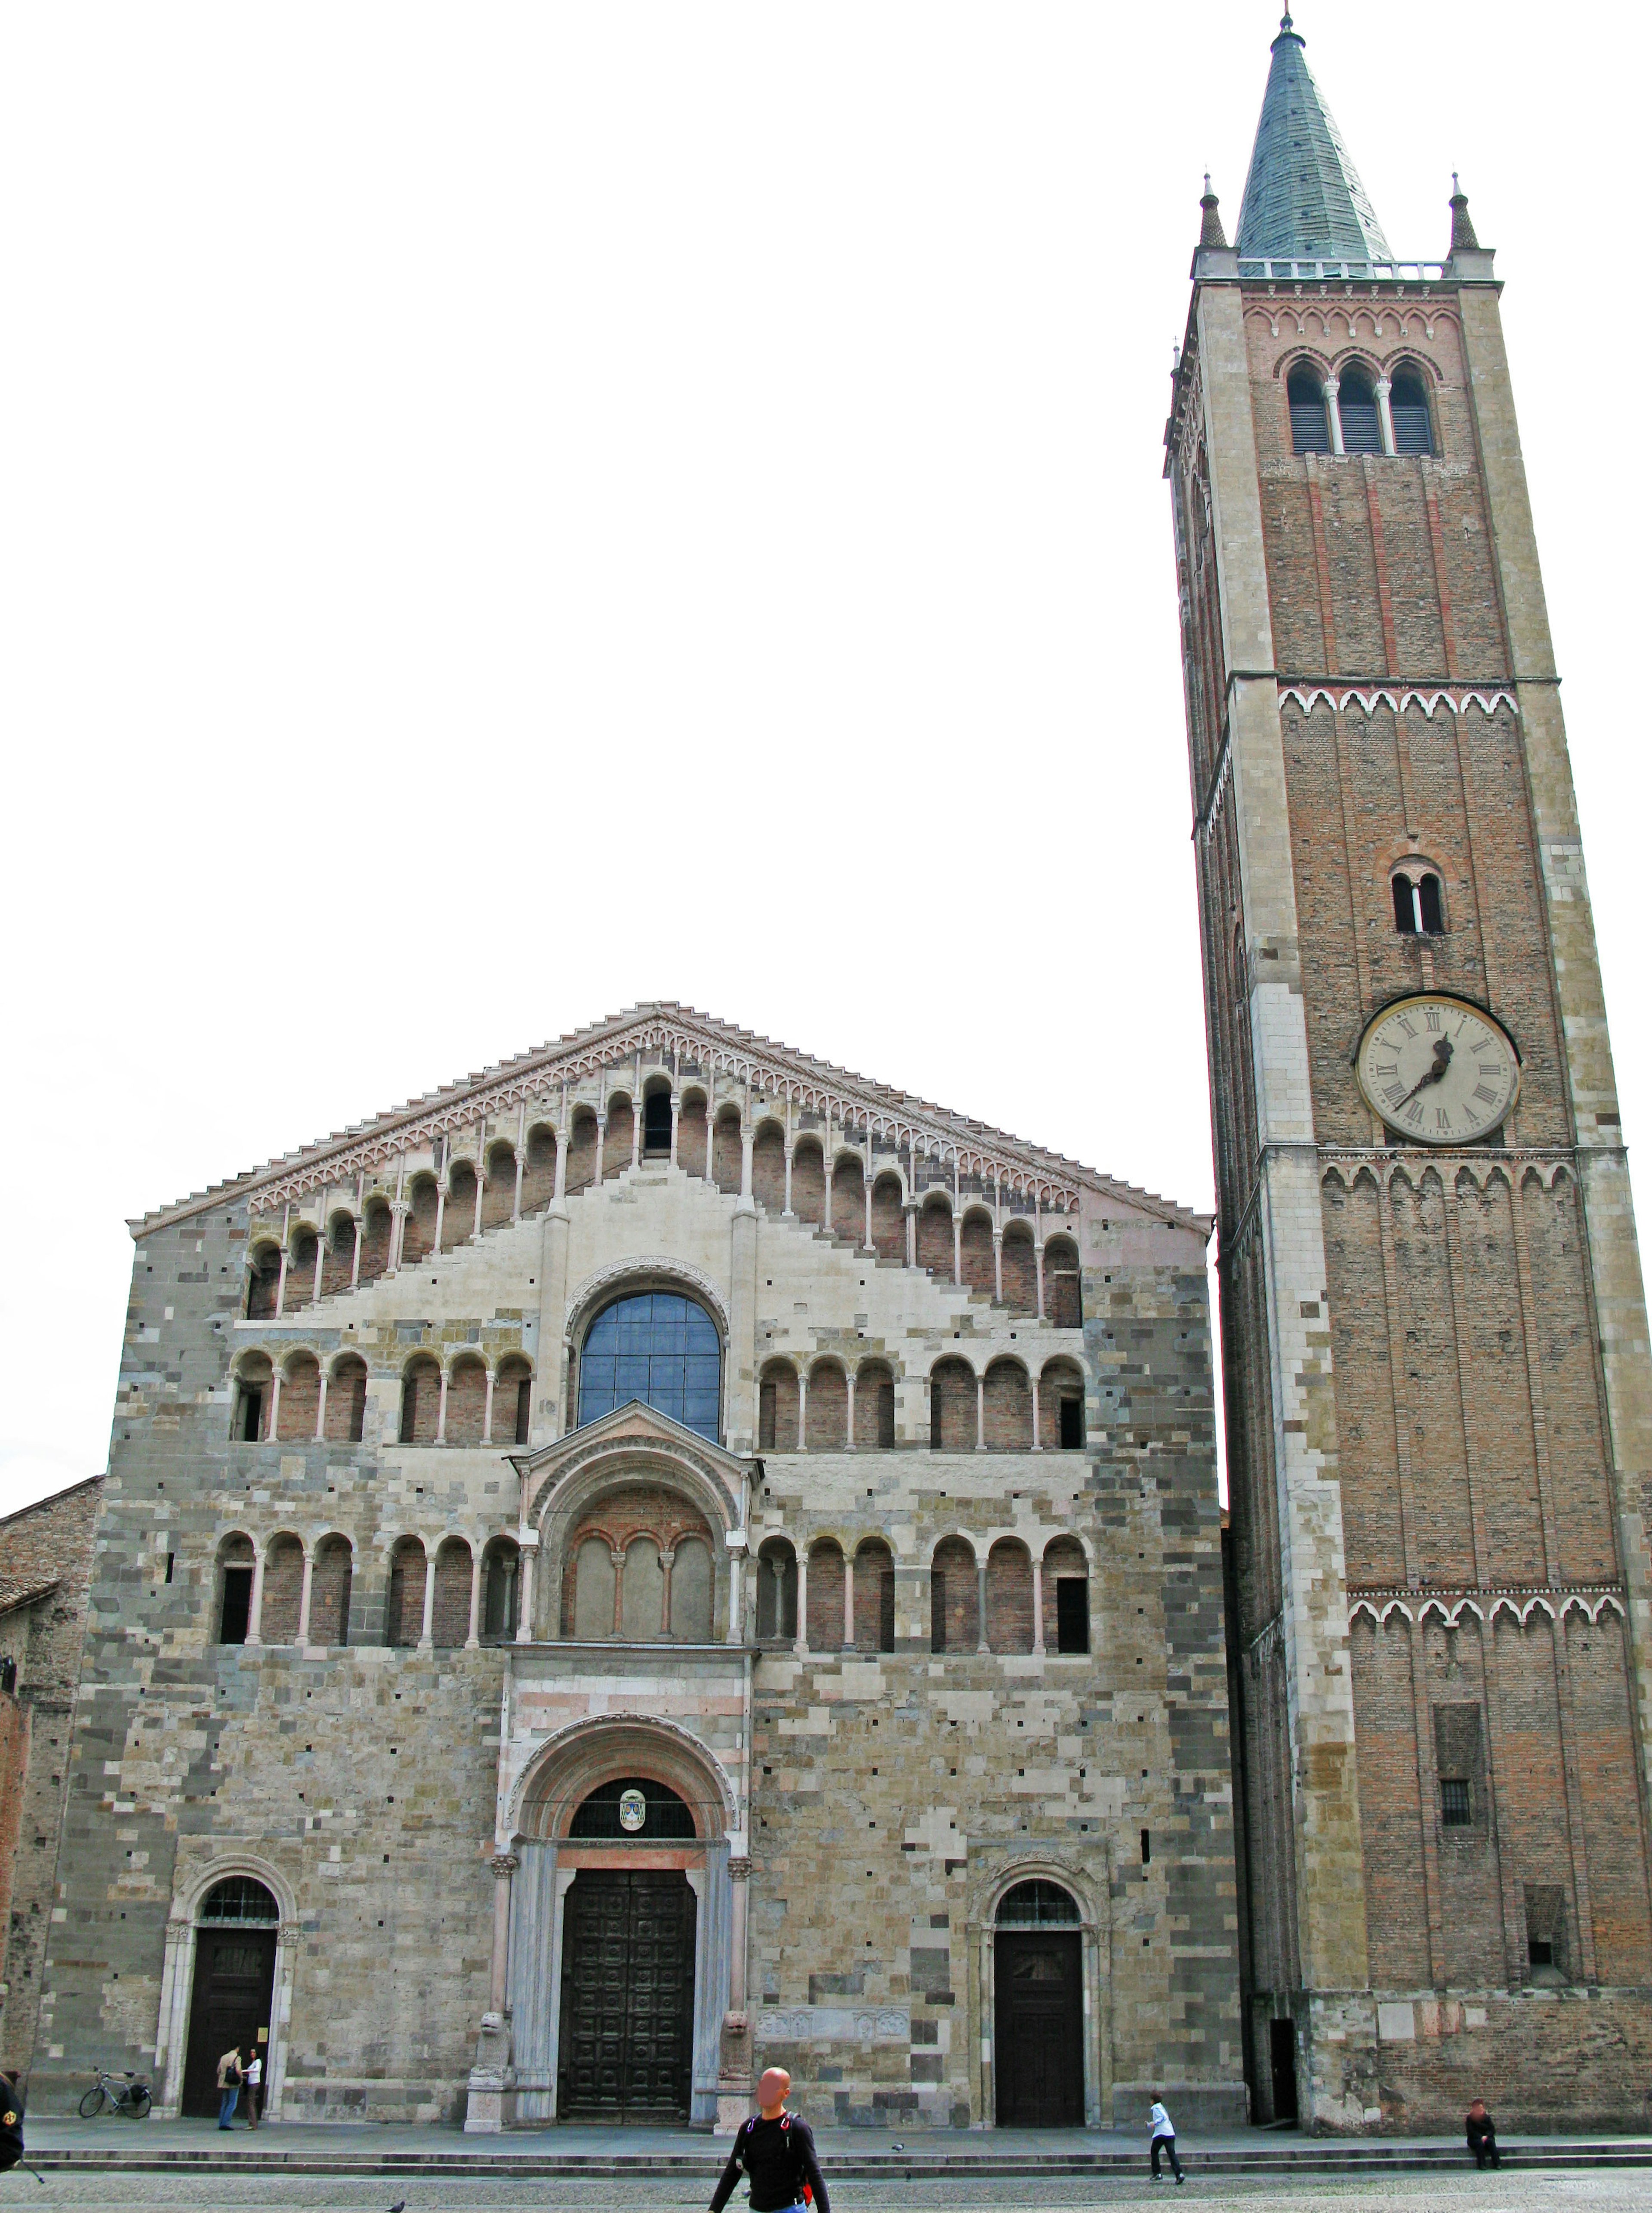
[
  {"x": 1036, "y": 1904},
  {"x": 1419, "y": 908},
  {"x": 658, "y": 1347},
  {"x": 657, "y": 1124},
  {"x": 1357, "y": 402},
  {"x": 633, "y": 1805},
  {"x": 1408, "y": 405},
  {"x": 1310, "y": 427}
]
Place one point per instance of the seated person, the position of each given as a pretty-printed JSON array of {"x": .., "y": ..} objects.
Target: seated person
[{"x": 1482, "y": 2135}]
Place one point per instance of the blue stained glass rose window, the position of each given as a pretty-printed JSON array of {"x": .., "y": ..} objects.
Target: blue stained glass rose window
[{"x": 657, "y": 1347}]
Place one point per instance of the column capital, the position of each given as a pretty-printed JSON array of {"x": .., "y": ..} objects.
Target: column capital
[
  {"x": 504, "y": 1864},
  {"x": 740, "y": 1867}
]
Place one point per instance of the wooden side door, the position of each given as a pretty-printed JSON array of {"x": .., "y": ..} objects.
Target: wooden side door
[
  {"x": 1039, "y": 2029},
  {"x": 234, "y": 1976}
]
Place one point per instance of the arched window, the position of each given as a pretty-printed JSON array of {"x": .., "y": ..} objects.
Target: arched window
[
  {"x": 826, "y": 1587},
  {"x": 300, "y": 1399},
  {"x": 848, "y": 1201},
  {"x": 976, "y": 1242},
  {"x": 726, "y": 1150},
  {"x": 769, "y": 1168},
  {"x": 499, "y": 1191},
  {"x": 501, "y": 1582},
  {"x": 1009, "y": 1596},
  {"x": 1036, "y": 1904},
  {"x": 808, "y": 1182},
  {"x": 253, "y": 1381},
  {"x": 1020, "y": 1278},
  {"x": 450, "y": 1616},
  {"x": 404, "y": 1613},
  {"x": 888, "y": 1219},
  {"x": 1009, "y": 1408},
  {"x": 234, "y": 1588},
  {"x": 330, "y": 1584},
  {"x": 633, "y": 1805},
  {"x": 660, "y": 1348},
  {"x": 1419, "y": 907},
  {"x": 691, "y": 1134},
  {"x": 954, "y": 1597},
  {"x": 616, "y": 1146},
  {"x": 874, "y": 1596},
  {"x": 1061, "y": 1407},
  {"x": 777, "y": 1408},
  {"x": 776, "y": 1590},
  {"x": 656, "y": 1123},
  {"x": 581, "y": 1173},
  {"x": 826, "y": 1418},
  {"x": 540, "y": 1169},
  {"x": 952, "y": 1406},
  {"x": 513, "y": 1400},
  {"x": 301, "y": 1270},
  {"x": 1357, "y": 402},
  {"x": 467, "y": 1400},
  {"x": 459, "y": 1207},
  {"x": 1066, "y": 1596},
  {"x": 283, "y": 1590},
  {"x": 346, "y": 1411},
  {"x": 341, "y": 1254},
  {"x": 1408, "y": 406},
  {"x": 1063, "y": 1300},
  {"x": 1310, "y": 427},
  {"x": 935, "y": 1237},
  {"x": 376, "y": 1224},
  {"x": 263, "y": 1281},
  {"x": 238, "y": 1902},
  {"x": 874, "y": 1406},
  {"x": 418, "y": 1225},
  {"x": 421, "y": 1398}
]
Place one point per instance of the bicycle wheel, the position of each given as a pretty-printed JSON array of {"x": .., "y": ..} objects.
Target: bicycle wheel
[
  {"x": 93, "y": 2101},
  {"x": 138, "y": 2103}
]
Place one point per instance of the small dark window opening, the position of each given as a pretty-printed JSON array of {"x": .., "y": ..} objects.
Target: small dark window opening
[
  {"x": 1147, "y": 1848},
  {"x": 1419, "y": 908},
  {"x": 1036, "y": 1904},
  {"x": 1362, "y": 426},
  {"x": 1456, "y": 1803},
  {"x": 237, "y": 1608},
  {"x": 1071, "y": 1411},
  {"x": 1072, "y": 1613},
  {"x": 9, "y": 1675},
  {"x": 171, "y": 1561},
  {"x": 524, "y": 1408},
  {"x": 250, "y": 1428},
  {"x": 1310, "y": 432},
  {"x": 409, "y": 1410},
  {"x": 1542, "y": 1951},
  {"x": 656, "y": 1125},
  {"x": 1408, "y": 404}
]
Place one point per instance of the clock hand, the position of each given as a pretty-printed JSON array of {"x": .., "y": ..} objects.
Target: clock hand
[{"x": 1441, "y": 1063}]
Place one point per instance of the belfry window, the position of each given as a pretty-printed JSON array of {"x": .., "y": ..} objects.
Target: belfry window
[
  {"x": 658, "y": 1347},
  {"x": 1362, "y": 426},
  {"x": 1419, "y": 910},
  {"x": 656, "y": 1125},
  {"x": 1310, "y": 426},
  {"x": 1408, "y": 405}
]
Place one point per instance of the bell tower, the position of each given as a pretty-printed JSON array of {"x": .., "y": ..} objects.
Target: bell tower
[{"x": 1439, "y": 1394}]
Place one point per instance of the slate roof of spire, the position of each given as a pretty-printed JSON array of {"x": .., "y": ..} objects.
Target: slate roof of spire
[{"x": 1303, "y": 200}]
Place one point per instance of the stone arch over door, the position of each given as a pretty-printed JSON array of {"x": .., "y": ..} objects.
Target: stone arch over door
[
  {"x": 195, "y": 1883},
  {"x": 1094, "y": 1931},
  {"x": 551, "y": 1954}
]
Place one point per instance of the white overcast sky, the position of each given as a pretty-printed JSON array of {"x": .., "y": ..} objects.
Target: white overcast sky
[{"x": 508, "y": 511}]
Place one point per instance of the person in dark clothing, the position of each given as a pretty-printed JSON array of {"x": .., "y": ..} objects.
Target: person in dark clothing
[
  {"x": 1482, "y": 2133},
  {"x": 776, "y": 2151}
]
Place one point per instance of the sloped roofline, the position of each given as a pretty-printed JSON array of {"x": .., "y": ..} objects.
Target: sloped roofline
[{"x": 673, "y": 1032}]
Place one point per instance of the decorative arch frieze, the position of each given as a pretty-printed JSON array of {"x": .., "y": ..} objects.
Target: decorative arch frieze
[{"x": 1455, "y": 699}]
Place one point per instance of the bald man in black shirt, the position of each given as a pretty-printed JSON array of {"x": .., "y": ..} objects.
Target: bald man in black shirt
[{"x": 776, "y": 2151}]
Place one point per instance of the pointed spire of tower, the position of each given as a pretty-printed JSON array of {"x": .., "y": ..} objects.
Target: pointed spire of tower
[
  {"x": 1462, "y": 223},
  {"x": 1210, "y": 231},
  {"x": 1303, "y": 200}
]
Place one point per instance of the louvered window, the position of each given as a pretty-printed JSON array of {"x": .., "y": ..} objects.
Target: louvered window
[
  {"x": 1408, "y": 404},
  {"x": 1361, "y": 427},
  {"x": 1310, "y": 431}
]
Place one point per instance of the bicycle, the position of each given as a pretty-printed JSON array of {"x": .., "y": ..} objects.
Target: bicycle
[{"x": 120, "y": 2093}]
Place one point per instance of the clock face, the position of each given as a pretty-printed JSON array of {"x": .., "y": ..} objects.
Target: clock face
[{"x": 1438, "y": 1070}]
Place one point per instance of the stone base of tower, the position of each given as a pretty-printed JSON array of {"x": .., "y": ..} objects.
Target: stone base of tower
[{"x": 1408, "y": 2063}]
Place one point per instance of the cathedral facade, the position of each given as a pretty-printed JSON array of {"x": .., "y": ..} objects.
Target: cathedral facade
[
  {"x": 663, "y": 1558},
  {"x": 1438, "y": 1396}
]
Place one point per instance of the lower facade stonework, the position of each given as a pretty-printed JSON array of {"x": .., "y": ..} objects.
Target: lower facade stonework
[{"x": 1409, "y": 2062}]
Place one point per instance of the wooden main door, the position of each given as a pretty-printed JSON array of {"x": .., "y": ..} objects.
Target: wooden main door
[
  {"x": 626, "y": 2041},
  {"x": 1039, "y": 2035},
  {"x": 235, "y": 1975}
]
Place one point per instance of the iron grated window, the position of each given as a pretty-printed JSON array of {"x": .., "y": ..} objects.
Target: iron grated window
[{"x": 1456, "y": 1803}]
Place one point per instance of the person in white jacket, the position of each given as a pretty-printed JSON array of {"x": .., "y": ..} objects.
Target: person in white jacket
[{"x": 1164, "y": 2139}]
